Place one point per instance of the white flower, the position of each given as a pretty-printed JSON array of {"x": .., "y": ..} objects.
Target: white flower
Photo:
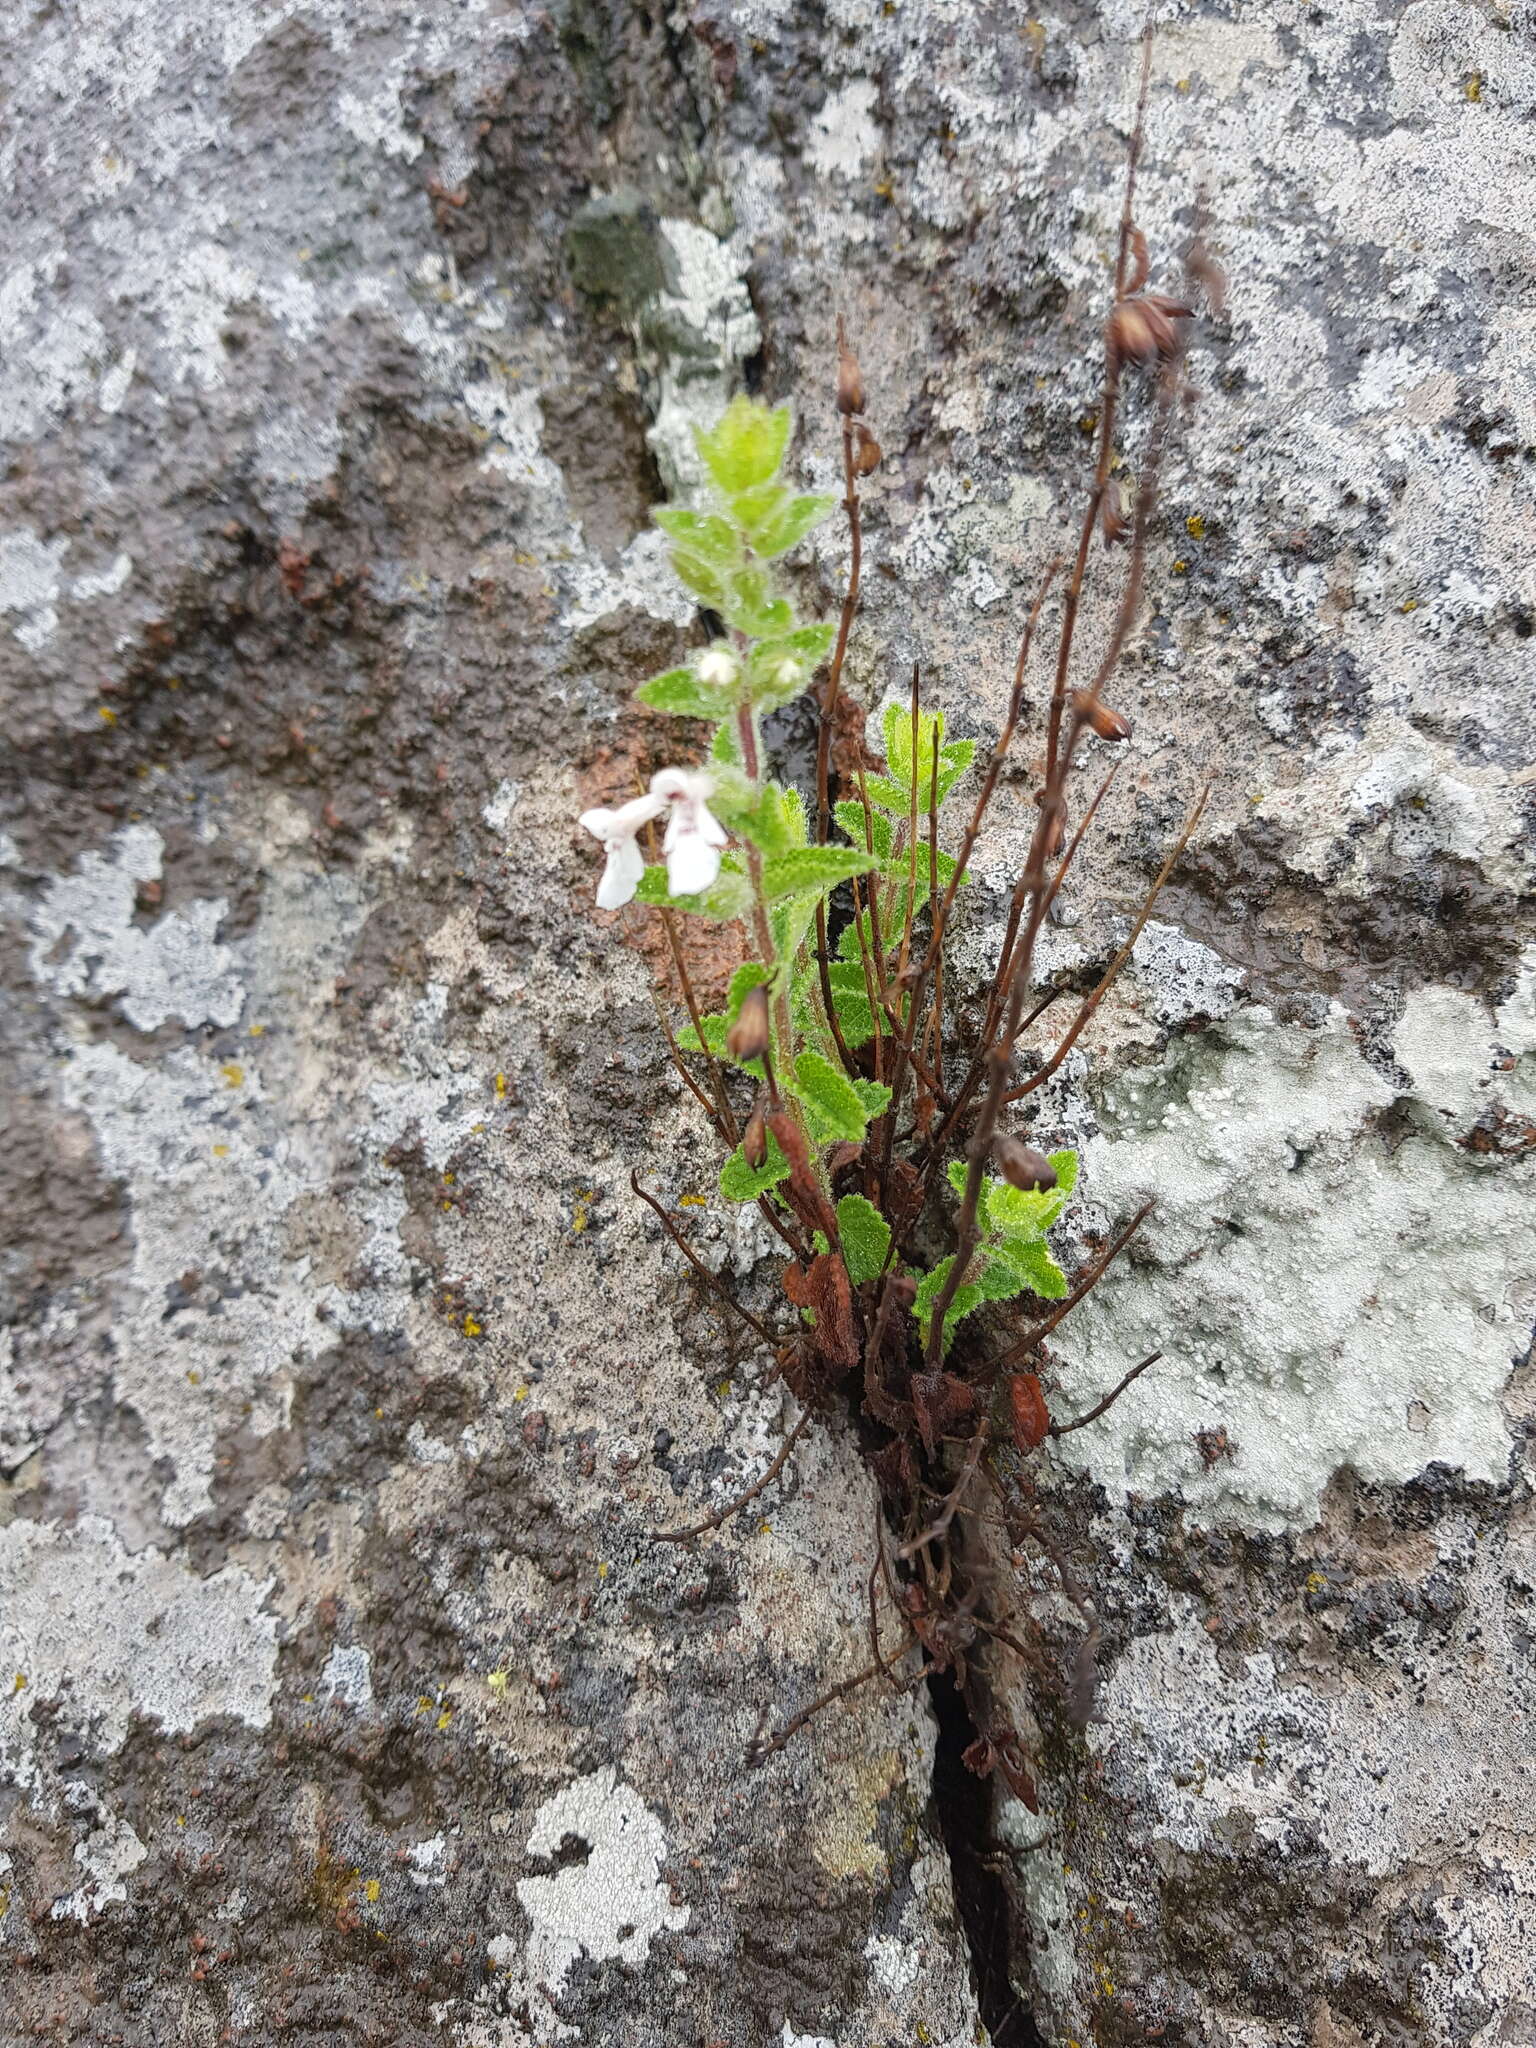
[
  {"x": 617, "y": 829},
  {"x": 717, "y": 667},
  {"x": 693, "y": 836}
]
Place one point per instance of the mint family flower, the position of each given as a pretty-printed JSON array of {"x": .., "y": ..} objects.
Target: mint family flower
[{"x": 691, "y": 843}]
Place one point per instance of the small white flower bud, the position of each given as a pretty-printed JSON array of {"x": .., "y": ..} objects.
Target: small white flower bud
[
  {"x": 788, "y": 672},
  {"x": 717, "y": 667}
]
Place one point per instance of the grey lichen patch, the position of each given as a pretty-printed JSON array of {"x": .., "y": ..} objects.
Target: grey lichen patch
[
  {"x": 86, "y": 942},
  {"x": 1306, "y": 1276},
  {"x": 113, "y": 1634},
  {"x": 611, "y": 1902}
]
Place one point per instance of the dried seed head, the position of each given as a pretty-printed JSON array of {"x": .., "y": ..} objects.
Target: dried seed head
[
  {"x": 747, "y": 1038},
  {"x": 754, "y": 1142},
  {"x": 1115, "y": 525},
  {"x": 850, "y": 378},
  {"x": 1100, "y": 717},
  {"x": 1022, "y": 1166},
  {"x": 1142, "y": 329},
  {"x": 866, "y": 451}
]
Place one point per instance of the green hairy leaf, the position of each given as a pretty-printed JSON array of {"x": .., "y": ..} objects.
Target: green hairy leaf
[
  {"x": 746, "y": 445},
  {"x": 866, "y": 1238},
  {"x": 850, "y": 999},
  {"x": 789, "y": 920},
  {"x": 850, "y": 818},
  {"x": 779, "y": 669},
  {"x": 702, "y": 535},
  {"x": 967, "y": 1296},
  {"x": 729, "y": 897},
  {"x": 749, "y": 975},
  {"x": 742, "y": 1183},
  {"x": 835, "y": 1106},
  {"x": 1023, "y": 1213},
  {"x": 1065, "y": 1164},
  {"x": 749, "y": 602},
  {"x": 813, "y": 868},
  {"x": 681, "y": 692},
  {"x": 1026, "y": 1266},
  {"x": 783, "y": 519}
]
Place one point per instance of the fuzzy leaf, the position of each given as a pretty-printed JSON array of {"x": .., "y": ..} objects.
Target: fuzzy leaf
[
  {"x": 813, "y": 868},
  {"x": 776, "y": 822},
  {"x": 850, "y": 999},
  {"x": 746, "y": 445},
  {"x": 742, "y": 1183},
  {"x": 1065, "y": 1164},
  {"x": 1023, "y": 1214},
  {"x": 779, "y": 669},
  {"x": 850, "y": 817},
  {"x": 725, "y": 747},
  {"x": 729, "y": 896},
  {"x": 832, "y": 1099},
  {"x": 714, "y": 1029},
  {"x": 706, "y": 583},
  {"x": 787, "y": 522},
  {"x": 874, "y": 1095},
  {"x": 866, "y": 1238},
  {"x": 706, "y": 537},
  {"x": 749, "y": 975},
  {"x": 1031, "y": 1266},
  {"x": 749, "y": 602},
  {"x": 967, "y": 1297},
  {"x": 790, "y": 919},
  {"x": 681, "y": 692}
]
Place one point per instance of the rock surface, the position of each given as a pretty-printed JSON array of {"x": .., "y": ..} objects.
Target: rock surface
[{"x": 344, "y": 1697}]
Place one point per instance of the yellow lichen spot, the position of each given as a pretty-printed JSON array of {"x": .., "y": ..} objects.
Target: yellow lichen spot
[
  {"x": 1181, "y": 568},
  {"x": 723, "y": 1389},
  {"x": 765, "y": 1528},
  {"x": 1181, "y": 85},
  {"x": 304, "y": 255},
  {"x": 1474, "y": 87},
  {"x": 1409, "y": 604},
  {"x": 234, "y": 1074},
  {"x": 1194, "y": 526},
  {"x": 106, "y": 714},
  {"x": 1316, "y": 1581},
  {"x": 378, "y": 1414},
  {"x": 501, "y": 1087},
  {"x": 221, "y": 1151},
  {"x": 173, "y": 682},
  {"x": 519, "y": 1393},
  {"x": 19, "y": 1682},
  {"x": 1087, "y": 423},
  {"x": 307, "y": 1699},
  {"x": 585, "y": 1197},
  {"x": 448, "y": 1206},
  {"x": 181, "y": 1820},
  {"x": 424, "y": 1705},
  {"x": 693, "y": 1201},
  {"x": 194, "y": 1379},
  {"x": 603, "y": 1570},
  {"x": 883, "y": 188},
  {"x": 371, "y": 1891},
  {"x": 472, "y": 1328},
  {"x": 497, "y": 1681},
  {"x": 444, "y": 1718}
]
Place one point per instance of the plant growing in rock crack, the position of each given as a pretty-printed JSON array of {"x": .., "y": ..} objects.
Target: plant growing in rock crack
[{"x": 851, "y": 1110}]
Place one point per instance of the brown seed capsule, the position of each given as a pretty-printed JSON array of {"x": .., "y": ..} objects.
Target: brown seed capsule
[
  {"x": 1100, "y": 717},
  {"x": 754, "y": 1142},
  {"x": 1022, "y": 1166},
  {"x": 866, "y": 451},
  {"x": 1141, "y": 329},
  {"x": 850, "y": 379},
  {"x": 747, "y": 1038}
]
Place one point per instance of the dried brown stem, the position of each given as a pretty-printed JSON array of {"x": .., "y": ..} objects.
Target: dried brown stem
[
  {"x": 699, "y": 1267},
  {"x": 1109, "y": 1400}
]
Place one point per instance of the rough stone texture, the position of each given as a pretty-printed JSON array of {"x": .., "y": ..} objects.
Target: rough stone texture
[{"x": 343, "y": 351}]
